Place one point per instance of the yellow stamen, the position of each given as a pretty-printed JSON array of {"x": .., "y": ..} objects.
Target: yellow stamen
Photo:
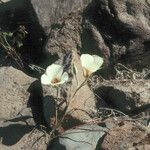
[
  {"x": 86, "y": 73},
  {"x": 55, "y": 81}
]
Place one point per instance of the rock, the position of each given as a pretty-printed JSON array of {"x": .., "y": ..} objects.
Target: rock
[
  {"x": 124, "y": 26},
  {"x": 126, "y": 136},
  {"x": 127, "y": 96},
  {"x": 20, "y": 111},
  {"x": 73, "y": 33},
  {"x": 14, "y": 94},
  {"x": 20, "y": 135},
  {"x": 109, "y": 35},
  {"x": 49, "y": 12},
  {"x": 82, "y": 137},
  {"x": 140, "y": 147},
  {"x": 39, "y": 18},
  {"x": 84, "y": 99},
  {"x": 66, "y": 37},
  {"x": 117, "y": 30}
]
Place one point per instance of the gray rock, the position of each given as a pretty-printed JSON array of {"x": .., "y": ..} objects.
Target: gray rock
[
  {"x": 116, "y": 29},
  {"x": 50, "y": 11},
  {"x": 112, "y": 34},
  {"x": 126, "y": 96},
  {"x": 123, "y": 137},
  {"x": 82, "y": 137},
  {"x": 17, "y": 134},
  {"x": 20, "y": 111},
  {"x": 14, "y": 94},
  {"x": 39, "y": 17},
  {"x": 124, "y": 26}
]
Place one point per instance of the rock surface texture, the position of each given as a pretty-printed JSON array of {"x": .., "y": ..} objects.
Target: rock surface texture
[
  {"x": 124, "y": 26},
  {"x": 20, "y": 111},
  {"x": 120, "y": 138},
  {"x": 127, "y": 96},
  {"x": 14, "y": 94}
]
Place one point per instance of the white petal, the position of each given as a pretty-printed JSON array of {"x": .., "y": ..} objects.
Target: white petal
[
  {"x": 64, "y": 77},
  {"x": 98, "y": 61},
  {"x": 45, "y": 80},
  {"x": 87, "y": 61},
  {"x": 54, "y": 70}
]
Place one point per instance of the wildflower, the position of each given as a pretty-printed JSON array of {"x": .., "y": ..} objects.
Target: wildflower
[
  {"x": 90, "y": 63},
  {"x": 54, "y": 75}
]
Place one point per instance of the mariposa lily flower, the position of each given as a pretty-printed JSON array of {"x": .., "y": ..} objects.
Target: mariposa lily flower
[
  {"x": 90, "y": 63},
  {"x": 54, "y": 75}
]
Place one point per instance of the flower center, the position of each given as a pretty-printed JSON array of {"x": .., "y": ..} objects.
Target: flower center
[
  {"x": 55, "y": 81},
  {"x": 86, "y": 73}
]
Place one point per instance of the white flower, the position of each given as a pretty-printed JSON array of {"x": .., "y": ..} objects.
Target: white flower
[
  {"x": 90, "y": 63},
  {"x": 54, "y": 75}
]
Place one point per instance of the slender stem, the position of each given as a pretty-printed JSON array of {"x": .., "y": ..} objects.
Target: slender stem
[
  {"x": 56, "y": 122},
  {"x": 82, "y": 84},
  {"x": 4, "y": 37},
  {"x": 10, "y": 51}
]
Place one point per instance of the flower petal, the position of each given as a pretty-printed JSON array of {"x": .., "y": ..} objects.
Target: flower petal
[
  {"x": 87, "y": 61},
  {"x": 54, "y": 70},
  {"x": 45, "y": 80},
  {"x": 98, "y": 61},
  {"x": 64, "y": 77}
]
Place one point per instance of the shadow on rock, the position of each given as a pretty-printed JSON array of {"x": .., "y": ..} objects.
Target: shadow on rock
[
  {"x": 35, "y": 101},
  {"x": 49, "y": 107},
  {"x": 115, "y": 99},
  {"x": 59, "y": 145},
  {"x": 11, "y": 134}
]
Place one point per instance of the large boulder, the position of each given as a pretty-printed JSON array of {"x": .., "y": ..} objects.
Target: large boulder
[
  {"x": 127, "y": 135},
  {"x": 117, "y": 30},
  {"x": 17, "y": 134},
  {"x": 49, "y": 12},
  {"x": 14, "y": 94},
  {"x": 124, "y": 26},
  {"x": 129, "y": 96},
  {"x": 21, "y": 111},
  {"x": 39, "y": 17}
]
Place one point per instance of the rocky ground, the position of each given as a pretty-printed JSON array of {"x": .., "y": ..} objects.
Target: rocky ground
[{"x": 111, "y": 111}]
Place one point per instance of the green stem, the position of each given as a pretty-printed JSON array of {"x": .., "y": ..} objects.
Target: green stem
[
  {"x": 82, "y": 84},
  {"x": 56, "y": 122}
]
